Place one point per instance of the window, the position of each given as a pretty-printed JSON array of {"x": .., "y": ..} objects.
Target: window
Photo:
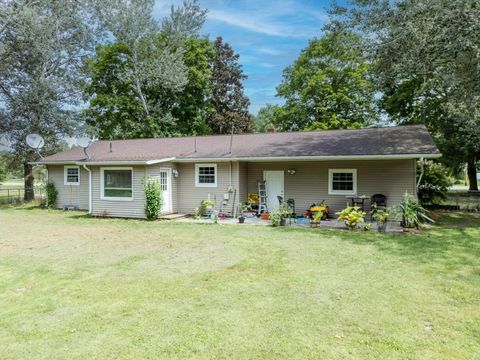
[
  {"x": 71, "y": 175},
  {"x": 206, "y": 175},
  {"x": 116, "y": 183},
  {"x": 342, "y": 181}
]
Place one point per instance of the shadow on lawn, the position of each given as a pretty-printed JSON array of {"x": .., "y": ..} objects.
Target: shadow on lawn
[{"x": 446, "y": 242}]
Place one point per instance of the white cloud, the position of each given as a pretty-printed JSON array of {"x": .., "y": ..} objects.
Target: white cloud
[
  {"x": 269, "y": 51},
  {"x": 257, "y": 24}
]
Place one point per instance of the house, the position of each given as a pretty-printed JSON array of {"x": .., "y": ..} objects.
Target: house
[{"x": 107, "y": 178}]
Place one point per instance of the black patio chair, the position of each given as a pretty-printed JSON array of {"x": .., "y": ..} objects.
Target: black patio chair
[
  {"x": 379, "y": 200},
  {"x": 280, "y": 199},
  {"x": 291, "y": 205}
]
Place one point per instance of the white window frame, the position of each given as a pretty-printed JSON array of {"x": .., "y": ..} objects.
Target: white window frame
[
  {"x": 342, "y": 192},
  {"x": 197, "y": 174},
  {"x": 65, "y": 175},
  {"x": 102, "y": 184}
]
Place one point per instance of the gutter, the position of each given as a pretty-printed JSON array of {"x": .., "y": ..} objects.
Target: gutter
[
  {"x": 89, "y": 188},
  {"x": 106, "y": 163},
  {"x": 246, "y": 158},
  {"x": 422, "y": 171},
  {"x": 315, "y": 158}
]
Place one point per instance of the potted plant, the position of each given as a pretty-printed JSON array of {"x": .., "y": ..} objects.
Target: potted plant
[
  {"x": 352, "y": 216},
  {"x": 381, "y": 217},
  {"x": 317, "y": 218},
  {"x": 206, "y": 206},
  {"x": 285, "y": 211},
  {"x": 241, "y": 212}
]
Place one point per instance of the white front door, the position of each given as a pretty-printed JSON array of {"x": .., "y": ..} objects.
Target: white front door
[
  {"x": 166, "y": 187},
  {"x": 274, "y": 186}
]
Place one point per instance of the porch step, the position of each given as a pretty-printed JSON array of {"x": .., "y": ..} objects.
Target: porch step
[{"x": 172, "y": 216}]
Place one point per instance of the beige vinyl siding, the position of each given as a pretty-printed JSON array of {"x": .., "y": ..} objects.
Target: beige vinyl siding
[
  {"x": 309, "y": 184},
  {"x": 153, "y": 171},
  {"x": 189, "y": 196},
  {"x": 243, "y": 181},
  {"x": 132, "y": 209},
  {"x": 69, "y": 195}
]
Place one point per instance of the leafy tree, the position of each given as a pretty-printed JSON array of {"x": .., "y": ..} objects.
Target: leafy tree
[
  {"x": 43, "y": 44},
  {"x": 185, "y": 21},
  {"x": 265, "y": 118},
  {"x": 3, "y": 171},
  {"x": 228, "y": 98},
  {"x": 328, "y": 86},
  {"x": 427, "y": 60},
  {"x": 192, "y": 106},
  {"x": 138, "y": 83}
]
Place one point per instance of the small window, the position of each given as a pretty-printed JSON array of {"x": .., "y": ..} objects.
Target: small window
[
  {"x": 342, "y": 181},
  {"x": 206, "y": 175},
  {"x": 116, "y": 183},
  {"x": 71, "y": 175}
]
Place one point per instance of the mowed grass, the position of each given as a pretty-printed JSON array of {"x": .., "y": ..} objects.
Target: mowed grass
[{"x": 73, "y": 287}]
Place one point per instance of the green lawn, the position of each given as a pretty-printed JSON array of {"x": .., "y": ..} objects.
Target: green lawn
[{"x": 73, "y": 287}]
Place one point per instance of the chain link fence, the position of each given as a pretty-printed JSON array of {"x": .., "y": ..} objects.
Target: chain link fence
[{"x": 13, "y": 196}]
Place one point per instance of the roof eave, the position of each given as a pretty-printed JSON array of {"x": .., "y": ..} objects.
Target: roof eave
[
  {"x": 314, "y": 158},
  {"x": 106, "y": 162}
]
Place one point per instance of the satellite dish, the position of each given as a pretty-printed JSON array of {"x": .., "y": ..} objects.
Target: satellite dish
[
  {"x": 84, "y": 142},
  {"x": 35, "y": 141}
]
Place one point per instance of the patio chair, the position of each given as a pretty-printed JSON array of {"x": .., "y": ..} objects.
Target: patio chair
[
  {"x": 280, "y": 199},
  {"x": 379, "y": 200},
  {"x": 291, "y": 204}
]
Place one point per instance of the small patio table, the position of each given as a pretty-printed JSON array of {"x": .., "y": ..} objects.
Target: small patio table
[{"x": 358, "y": 201}]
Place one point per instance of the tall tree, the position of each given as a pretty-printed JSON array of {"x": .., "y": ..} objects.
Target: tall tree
[
  {"x": 137, "y": 80},
  {"x": 328, "y": 86},
  {"x": 427, "y": 57},
  {"x": 228, "y": 98},
  {"x": 42, "y": 47},
  {"x": 192, "y": 106}
]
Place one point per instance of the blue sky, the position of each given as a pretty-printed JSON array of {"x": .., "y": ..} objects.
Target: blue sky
[{"x": 268, "y": 35}]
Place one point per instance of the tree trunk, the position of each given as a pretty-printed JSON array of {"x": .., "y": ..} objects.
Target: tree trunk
[
  {"x": 472, "y": 175},
  {"x": 28, "y": 173}
]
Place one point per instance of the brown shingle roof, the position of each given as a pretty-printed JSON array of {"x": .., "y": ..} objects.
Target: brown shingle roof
[{"x": 400, "y": 140}]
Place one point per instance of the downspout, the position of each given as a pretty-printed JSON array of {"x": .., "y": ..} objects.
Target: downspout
[
  {"x": 89, "y": 188},
  {"x": 422, "y": 171}
]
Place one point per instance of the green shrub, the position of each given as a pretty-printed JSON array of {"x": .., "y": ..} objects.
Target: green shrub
[
  {"x": 202, "y": 210},
  {"x": 153, "y": 199},
  {"x": 51, "y": 193},
  {"x": 352, "y": 216},
  {"x": 276, "y": 216},
  {"x": 434, "y": 183},
  {"x": 412, "y": 212}
]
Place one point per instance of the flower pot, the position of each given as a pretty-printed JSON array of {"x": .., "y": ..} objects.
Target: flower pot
[
  {"x": 382, "y": 227},
  {"x": 241, "y": 220},
  {"x": 282, "y": 221}
]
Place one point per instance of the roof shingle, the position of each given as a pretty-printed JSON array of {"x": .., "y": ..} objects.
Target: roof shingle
[{"x": 400, "y": 140}]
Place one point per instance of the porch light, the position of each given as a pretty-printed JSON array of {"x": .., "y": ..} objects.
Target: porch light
[
  {"x": 175, "y": 173},
  {"x": 291, "y": 171}
]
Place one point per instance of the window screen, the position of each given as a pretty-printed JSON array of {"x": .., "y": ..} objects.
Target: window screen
[
  {"x": 117, "y": 183},
  {"x": 342, "y": 181},
  {"x": 72, "y": 175},
  {"x": 206, "y": 175}
]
